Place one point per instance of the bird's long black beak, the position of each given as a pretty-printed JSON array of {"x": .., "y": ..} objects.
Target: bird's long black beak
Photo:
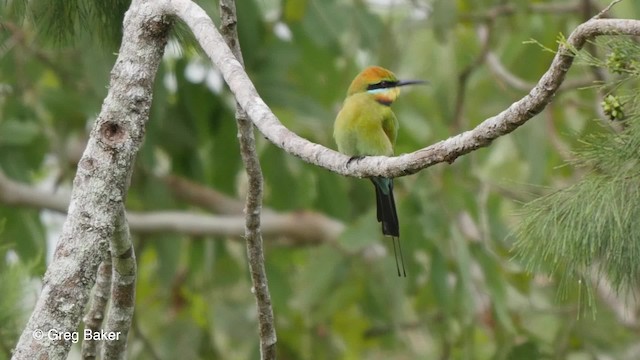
[{"x": 411, "y": 82}]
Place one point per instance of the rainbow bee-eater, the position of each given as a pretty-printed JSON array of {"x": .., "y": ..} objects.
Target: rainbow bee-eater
[{"x": 366, "y": 125}]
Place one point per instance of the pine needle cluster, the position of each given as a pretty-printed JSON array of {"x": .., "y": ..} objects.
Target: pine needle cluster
[
  {"x": 595, "y": 223},
  {"x": 60, "y": 22}
]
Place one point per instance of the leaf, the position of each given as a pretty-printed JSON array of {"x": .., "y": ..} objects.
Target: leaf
[
  {"x": 316, "y": 280},
  {"x": 18, "y": 133},
  {"x": 496, "y": 287},
  {"x": 361, "y": 233},
  {"x": 525, "y": 351},
  {"x": 439, "y": 281},
  {"x": 446, "y": 14},
  {"x": 294, "y": 10},
  {"x": 23, "y": 232}
]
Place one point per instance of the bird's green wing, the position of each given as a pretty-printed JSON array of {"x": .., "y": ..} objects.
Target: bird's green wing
[{"x": 390, "y": 126}]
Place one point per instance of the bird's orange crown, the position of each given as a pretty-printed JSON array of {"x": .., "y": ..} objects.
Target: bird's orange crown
[{"x": 369, "y": 76}]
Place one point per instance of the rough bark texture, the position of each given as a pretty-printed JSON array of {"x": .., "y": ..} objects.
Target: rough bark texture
[
  {"x": 98, "y": 308},
  {"x": 123, "y": 290},
  {"x": 99, "y": 187},
  {"x": 253, "y": 207}
]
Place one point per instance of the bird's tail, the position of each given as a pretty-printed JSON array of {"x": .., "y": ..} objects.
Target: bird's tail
[
  {"x": 387, "y": 215},
  {"x": 386, "y": 206}
]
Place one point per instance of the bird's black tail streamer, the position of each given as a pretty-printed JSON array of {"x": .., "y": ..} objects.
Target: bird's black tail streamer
[{"x": 387, "y": 215}]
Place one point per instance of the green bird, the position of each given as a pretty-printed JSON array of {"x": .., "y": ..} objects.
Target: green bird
[{"x": 366, "y": 126}]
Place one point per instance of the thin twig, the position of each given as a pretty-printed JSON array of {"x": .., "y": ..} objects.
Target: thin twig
[
  {"x": 510, "y": 9},
  {"x": 604, "y": 11},
  {"x": 253, "y": 207}
]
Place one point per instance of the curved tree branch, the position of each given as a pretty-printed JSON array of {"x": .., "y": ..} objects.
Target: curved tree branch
[
  {"x": 443, "y": 151},
  {"x": 294, "y": 228}
]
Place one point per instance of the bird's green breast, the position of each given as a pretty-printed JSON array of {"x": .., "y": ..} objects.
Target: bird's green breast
[{"x": 365, "y": 127}]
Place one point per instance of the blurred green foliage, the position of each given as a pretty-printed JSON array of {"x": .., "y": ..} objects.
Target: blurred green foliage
[{"x": 464, "y": 297}]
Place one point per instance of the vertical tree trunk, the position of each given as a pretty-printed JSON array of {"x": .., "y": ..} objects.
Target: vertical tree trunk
[{"x": 99, "y": 188}]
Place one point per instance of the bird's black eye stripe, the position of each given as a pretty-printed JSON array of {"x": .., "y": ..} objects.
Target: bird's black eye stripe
[{"x": 382, "y": 85}]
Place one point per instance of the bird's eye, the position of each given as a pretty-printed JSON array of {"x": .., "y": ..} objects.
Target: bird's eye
[{"x": 384, "y": 84}]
